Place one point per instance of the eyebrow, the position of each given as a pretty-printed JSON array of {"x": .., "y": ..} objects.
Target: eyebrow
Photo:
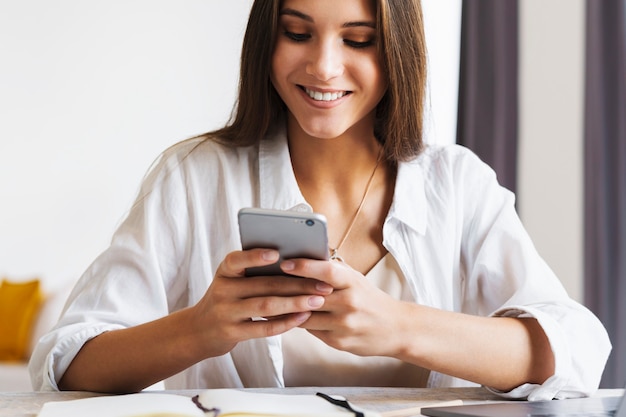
[{"x": 306, "y": 17}]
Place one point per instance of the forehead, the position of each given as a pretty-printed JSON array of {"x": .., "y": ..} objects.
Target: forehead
[{"x": 318, "y": 11}]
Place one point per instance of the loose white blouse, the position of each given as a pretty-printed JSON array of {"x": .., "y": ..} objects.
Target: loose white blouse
[{"x": 452, "y": 229}]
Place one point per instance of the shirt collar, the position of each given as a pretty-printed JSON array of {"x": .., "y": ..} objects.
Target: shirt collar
[
  {"x": 278, "y": 187},
  {"x": 409, "y": 201}
]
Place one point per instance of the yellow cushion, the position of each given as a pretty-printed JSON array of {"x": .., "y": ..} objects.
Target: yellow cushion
[{"x": 19, "y": 304}]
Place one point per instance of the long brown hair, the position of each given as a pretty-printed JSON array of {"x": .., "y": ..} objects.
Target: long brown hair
[{"x": 402, "y": 48}]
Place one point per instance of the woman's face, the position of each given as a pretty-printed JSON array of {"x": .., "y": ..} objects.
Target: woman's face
[{"x": 326, "y": 67}]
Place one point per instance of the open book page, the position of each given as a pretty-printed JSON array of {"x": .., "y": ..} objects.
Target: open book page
[
  {"x": 130, "y": 405},
  {"x": 212, "y": 402},
  {"x": 234, "y": 403}
]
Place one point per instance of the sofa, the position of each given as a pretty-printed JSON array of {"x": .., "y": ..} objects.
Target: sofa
[{"x": 27, "y": 312}]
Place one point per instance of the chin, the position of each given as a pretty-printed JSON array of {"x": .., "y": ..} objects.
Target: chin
[
  {"x": 325, "y": 130},
  {"x": 326, "y": 127}
]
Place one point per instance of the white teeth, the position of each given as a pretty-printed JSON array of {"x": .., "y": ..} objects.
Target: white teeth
[{"x": 319, "y": 96}]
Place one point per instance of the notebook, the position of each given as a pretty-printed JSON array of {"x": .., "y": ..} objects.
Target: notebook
[
  {"x": 209, "y": 403},
  {"x": 575, "y": 407}
]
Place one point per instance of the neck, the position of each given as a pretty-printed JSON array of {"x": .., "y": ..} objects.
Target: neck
[
  {"x": 339, "y": 177},
  {"x": 332, "y": 162}
]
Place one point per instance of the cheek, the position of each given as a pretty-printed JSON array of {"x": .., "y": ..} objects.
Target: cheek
[
  {"x": 379, "y": 78},
  {"x": 374, "y": 76},
  {"x": 275, "y": 79},
  {"x": 382, "y": 86},
  {"x": 279, "y": 64}
]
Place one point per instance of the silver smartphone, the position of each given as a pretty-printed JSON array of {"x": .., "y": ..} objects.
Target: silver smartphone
[{"x": 294, "y": 234}]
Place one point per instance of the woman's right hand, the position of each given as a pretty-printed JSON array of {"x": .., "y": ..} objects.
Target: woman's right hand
[
  {"x": 130, "y": 359},
  {"x": 236, "y": 307}
]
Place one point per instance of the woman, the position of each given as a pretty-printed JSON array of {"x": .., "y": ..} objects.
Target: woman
[{"x": 436, "y": 283}]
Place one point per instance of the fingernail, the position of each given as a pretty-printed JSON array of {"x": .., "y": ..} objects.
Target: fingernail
[
  {"x": 316, "y": 301},
  {"x": 270, "y": 255},
  {"x": 287, "y": 265},
  {"x": 302, "y": 317},
  {"x": 323, "y": 287}
]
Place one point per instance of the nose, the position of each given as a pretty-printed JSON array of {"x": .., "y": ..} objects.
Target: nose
[{"x": 326, "y": 61}]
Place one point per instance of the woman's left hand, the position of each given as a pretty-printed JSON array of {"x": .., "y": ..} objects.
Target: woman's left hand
[{"x": 357, "y": 317}]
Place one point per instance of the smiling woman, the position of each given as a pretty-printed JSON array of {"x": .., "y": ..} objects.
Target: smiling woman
[
  {"x": 399, "y": 118},
  {"x": 433, "y": 259},
  {"x": 313, "y": 62}
]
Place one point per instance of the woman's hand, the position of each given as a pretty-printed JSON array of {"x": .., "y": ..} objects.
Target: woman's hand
[
  {"x": 130, "y": 359},
  {"x": 357, "y": 317},
  {"x": 236, "y": 307}
]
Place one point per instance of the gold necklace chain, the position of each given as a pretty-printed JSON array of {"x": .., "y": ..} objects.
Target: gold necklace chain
[{"x": 334, "y": 252}]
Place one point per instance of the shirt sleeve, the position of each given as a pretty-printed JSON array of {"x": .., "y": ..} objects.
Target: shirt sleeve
[
  {"x": 505, "y": 276},
  {"x": 133, "y": 281}
]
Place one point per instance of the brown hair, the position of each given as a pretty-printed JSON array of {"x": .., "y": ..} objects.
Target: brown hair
[{"x": 402, "y": 48}]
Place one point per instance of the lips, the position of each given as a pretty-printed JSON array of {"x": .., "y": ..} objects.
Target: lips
[{"x": 325, "y": 95}]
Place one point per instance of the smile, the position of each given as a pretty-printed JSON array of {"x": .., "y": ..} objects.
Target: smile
[{"x": 327, "y": 96}]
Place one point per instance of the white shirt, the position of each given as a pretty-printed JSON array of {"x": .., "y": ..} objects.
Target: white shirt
[{"x": 452, "y": 229}]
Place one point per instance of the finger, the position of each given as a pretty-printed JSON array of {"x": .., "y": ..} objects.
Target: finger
[
  {"x": 251, "y": 287},
  {"x": 275, "y": 326},
  {"x": 277, "y": 306},
  {"x": 322, "y": 321},
  {"x": 336, "y": 274},
  {"x": 235, "y": 263},
  {"x": 282, "y": 286}
]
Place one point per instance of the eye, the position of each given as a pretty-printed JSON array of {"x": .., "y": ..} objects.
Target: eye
[
  {"x": 357, "y": 44},
  {"x": 297, "y": 37}
]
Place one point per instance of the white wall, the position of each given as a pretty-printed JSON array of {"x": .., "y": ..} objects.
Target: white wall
[
  {"x": 90, "y": 93},
  {"x": 442, "y": 24},
  {"x": 551, "y": 133}
]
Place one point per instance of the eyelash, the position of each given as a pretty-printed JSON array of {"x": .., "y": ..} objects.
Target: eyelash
[
  {"x": 302, "y": 37},
  {"x": 297, "y": 37},
  {"x": 358, "y": 45}
]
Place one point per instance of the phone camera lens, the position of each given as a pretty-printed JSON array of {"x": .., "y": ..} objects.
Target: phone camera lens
[{"x": 310, "y": 222}]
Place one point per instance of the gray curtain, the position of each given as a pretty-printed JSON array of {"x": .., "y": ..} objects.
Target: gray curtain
[
  {"x": 488, "y": 87},
  {"x": 605, "y": 176}
]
